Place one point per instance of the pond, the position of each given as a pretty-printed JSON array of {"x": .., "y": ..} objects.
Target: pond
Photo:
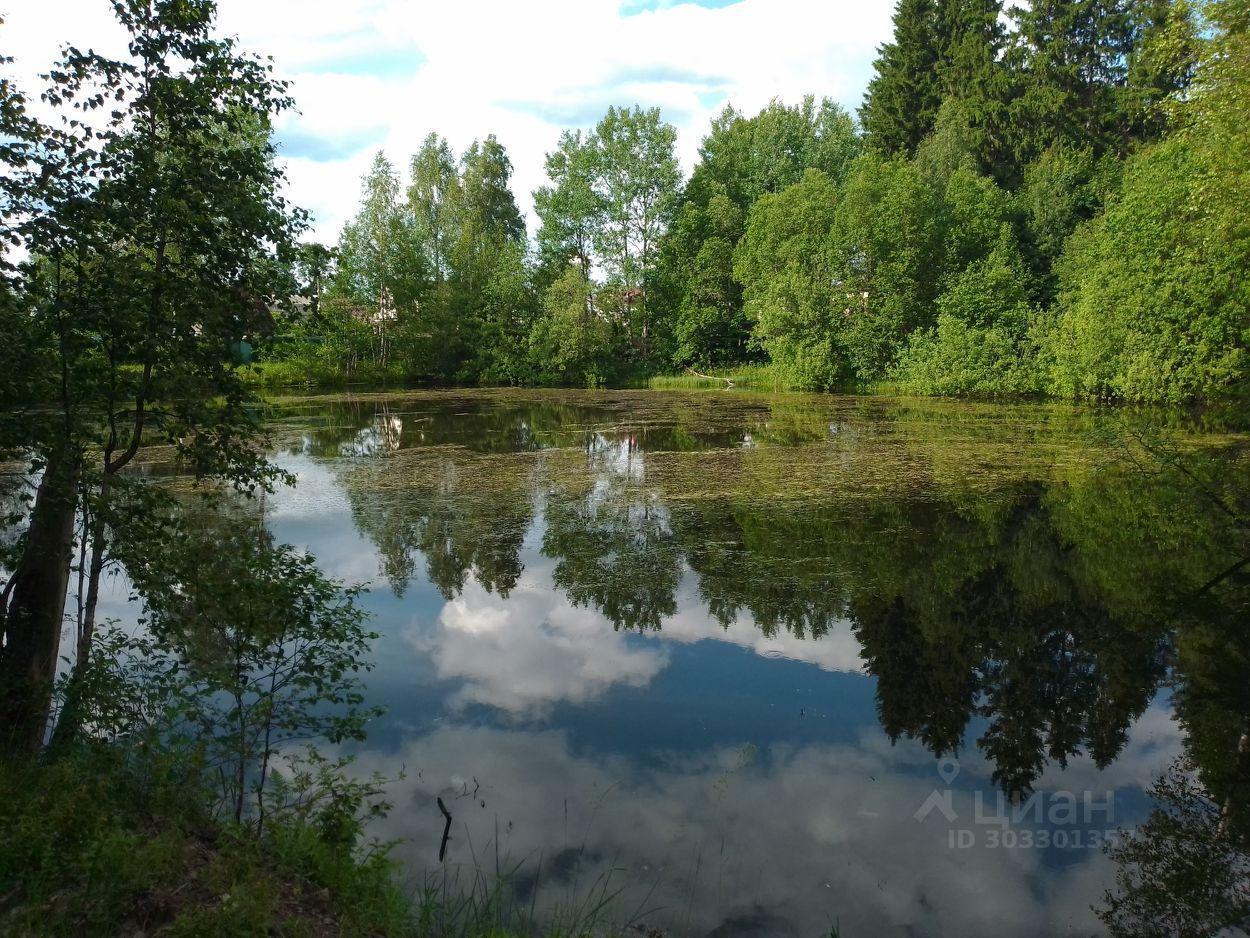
[{"x": 749, "y": 665}]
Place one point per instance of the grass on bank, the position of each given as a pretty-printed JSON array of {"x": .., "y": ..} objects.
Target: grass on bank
[
  {"x": 751, "y": 377},
  {"x": 91, "y": 846},
  {"x": 294, "y": 373},
  {"x": 302, "y": 374}
]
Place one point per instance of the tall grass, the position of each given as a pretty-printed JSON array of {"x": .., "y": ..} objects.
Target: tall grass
[
  {"x": 296, "y": 373},
  {"x": 749, "y": 377},
  {"x": 466, "y": 901}
]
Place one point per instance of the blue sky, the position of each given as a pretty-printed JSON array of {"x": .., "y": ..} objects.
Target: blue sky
[
  {"x": 381, "y": 74},
  {"x": 631, "y": 7}
]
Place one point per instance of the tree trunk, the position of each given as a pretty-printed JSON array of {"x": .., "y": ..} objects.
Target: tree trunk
[
  {"x": 99, "y": 549},
  {"x": 36, "y": 612},
  {"x": 1240, "y": 775},
  {"x": 70, "y": 718}
]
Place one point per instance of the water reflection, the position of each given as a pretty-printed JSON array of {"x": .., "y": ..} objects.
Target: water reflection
[{"x": 756, "y": 623}]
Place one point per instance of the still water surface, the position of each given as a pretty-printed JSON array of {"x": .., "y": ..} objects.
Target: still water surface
[{"x": 769, "y": 665}]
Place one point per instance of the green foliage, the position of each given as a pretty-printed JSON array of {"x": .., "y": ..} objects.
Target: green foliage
[
  {"x": 253, "y": 648},
  {"x": 747, "y": 157},
  {"x": 506, "y": 315},
  {"x": 951, "y": 146},
  {"x": 985, "y": 134},
  {"x": 571, "y": 343},
  {"x": 741, "y": 160},
  {"x": 487, "y": 283},
  {"x": 784, "y": 263},
  {"x": 1153, "y": 297},
  {"x": 1095, "y": 73},
  {"x": 887, "y": 244},
  {"x": 183, "y": 804},
  {"x": 151, "y": 208},
  {"x": 710, "y": 325},
  {"x": 138, "y": 292},
  {"x": 982, "y": 344},
  {"x": 429, "y": 282},
  {"x": 905, "y": 92},
  {"x": 636, "y": 177},
  {"x": 571, "y": 208},
  {"x": 335, "y": 345},
  {"x": 1061, "y": 189},
  {"x": 433, "y": 194},
  {"x": 379, "y": 264},
  {"x": 975, "y": 122},
  {"x": 92, "y": 844}
]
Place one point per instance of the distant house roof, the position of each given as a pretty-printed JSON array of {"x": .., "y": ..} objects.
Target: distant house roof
[{"x": 293, "y": 307}]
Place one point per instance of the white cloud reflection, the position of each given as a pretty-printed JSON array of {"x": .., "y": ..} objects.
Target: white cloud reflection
[
  {"x": 796, "y": 838},
  {"x": 525, "y": 653}
]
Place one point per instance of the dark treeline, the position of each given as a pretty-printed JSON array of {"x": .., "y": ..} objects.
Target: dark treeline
[{"x": 1042, "y": 201}]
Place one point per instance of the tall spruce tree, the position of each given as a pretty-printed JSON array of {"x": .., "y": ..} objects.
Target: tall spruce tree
[
  {"x": 1069, "y": 57},
  {"x": 904, "y": 95},
  {"x": 974, "y": 80}
]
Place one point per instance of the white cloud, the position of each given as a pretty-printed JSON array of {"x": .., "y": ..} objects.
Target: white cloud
[{"x": 384, "y": 73}]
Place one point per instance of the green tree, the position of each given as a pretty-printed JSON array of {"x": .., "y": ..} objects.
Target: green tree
[
  {"x": 432, "y": 200},
  {"x": 976, "y": 84},
  {"x": 1057, "y": 196},
  {"x": 1088, "y": 73},
  {"x": 709, "y": 325},
  {"x": 485, "y": 264},
  {"x": 888, "y": 255},
  {"x": 380, "y": 270},
  {"x": 254, "y": 647},
  {"x": 905, "y": 91},
  {"x": 313, "y": 273},
  {"x": 746, "y": 157},
  {"x": 508, "y": 308},
  {"x": 786, "y": 268},
  {"x": 571, "y": 208},
  {"x": 636, "y": 177},
  {"x": 982, "y": 344},
  {"x": 740, "y": 160},
  {"x": 378, "y": 263},
  {"x": 1161, "y": 65},
  {"x": 1153, "y": 304},
  {"x": 135, "y": 296},
  {"x": 571, "y": 343}
]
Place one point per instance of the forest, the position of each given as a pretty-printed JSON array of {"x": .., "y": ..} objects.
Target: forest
[{"x": 1030, "y": 202}]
